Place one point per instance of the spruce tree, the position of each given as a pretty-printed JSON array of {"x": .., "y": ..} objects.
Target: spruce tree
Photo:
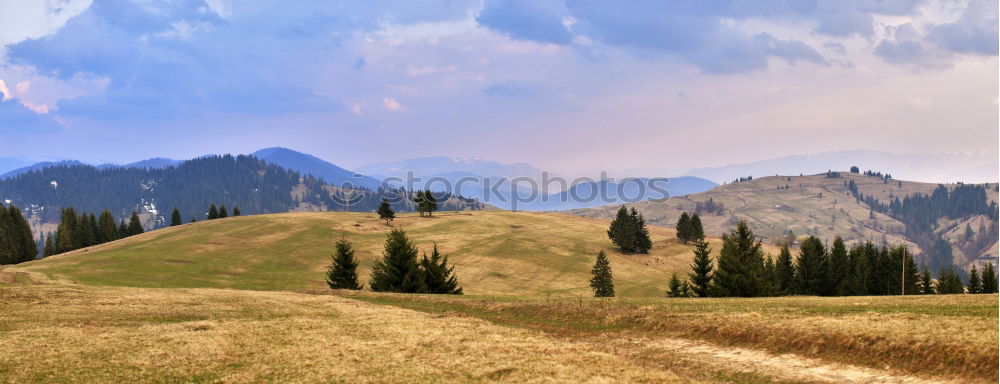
[
  {"x": 926, "y": 284},
  {"x": 106, "y": 229},
  {"x": 175, "y": 218},
  {"x": 236, "y": 211},
  {"x": 771, "y": 284},
  {"x": 622, "y": 231},
  {"x": 642, "y": 241},
  {"x": 134, "y": 225},
  {"x": 65, "y": 241},
  {"x": 862, "y": 258},
  {"x": 430, "y": 202},
  {"x": 50, "y": 246},
  {"x": 740, "y": 269},
  {"x": 123, "y": 230},
  {"x": 701, "y": 270},
  {"x": 839, "y": 272},
  {"x": 676, "y": 288},
  {"x": 223, "y": 213},
  {"x": 975, "y": 280},
  {"x": 87, "y": 235},
  {"x": 904, "y": 267},
  {"x": 697, "y": 231},
  {"x": 810, "y": 271},
  {"x": 17, "y": 244},
  {"x": 684, "y": 227},
  {"x": 385, "y": 212},
  {"x": 398, "y": 270},
  {"x": 213, "y": 212},
  {"x": 989, "y": 278},
  {"x": 602, "y": 282},
  {"x": 949, "y": 282},
  {"x": 437, "y": 276},
  {"x": 785, "y": 271},
  {"x": 343, "y": 271},
  {"x": 420, "y": 202}
]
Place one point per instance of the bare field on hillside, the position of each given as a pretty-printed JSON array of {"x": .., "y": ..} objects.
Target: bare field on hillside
[{"x": 494, "y": 252}]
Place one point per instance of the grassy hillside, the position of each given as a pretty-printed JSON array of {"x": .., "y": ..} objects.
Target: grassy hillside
[
  {"x": 494, "y": 252},
  {"x": 812, "y": 204}
]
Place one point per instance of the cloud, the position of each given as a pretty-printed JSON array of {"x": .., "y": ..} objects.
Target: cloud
[
  {"x": 541, "y": 21},
  {"x": 19, "y": 119},
  {"x": 391, "y": 104},
  {"x": 4, "y": 91},
  {"x": 975, "y": 33},
  {"x": 513, "y": 88}
]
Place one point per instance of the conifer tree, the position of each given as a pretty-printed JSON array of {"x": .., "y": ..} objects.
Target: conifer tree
[
  {"x": 949, "y": 282},
  {"x": 86, "y": 233},
  {"x": 770, "y": 286},
  {"x": 862, "y": 257},
  {"x": 398, "y": 270},
  {"x": 343, "y": 271},
  {"x": 697, "y": 231},
  {"x": 676, "y": 288},
  {"x": 175, "y": 218},
  {"x": 926, "y": 284},
  {"x": 430, "y": 202},
  {"x": 740, "y": 270},
  {"x": 906, "y": 268},
  {"x": 701, "y": 270},
  {"x": 17, "y": 244},
  {"x": 975, "y": 282},
  {"x": 684, "y": 227},
  {"x": 385, "y": 212},
  {"x": 420, "y": 202},
  {"x": 236, "y": 211},
  {"x": 50, "y": 246},
  {"x": 213, "y": 212},
  {"x": 122, "y": 230},
  {"x": 106, "y": 229},
  {"x": 602, "y": 282},
  {"x": 810, "y": 271},
  {"x": 839, "y": 271},
  {"x": 622, "y": 231},
  {"x": 134, "y": 225},
  {"x": 642, "y": 241},
  {"x": 223, "y": 213},
  {"x": 193, "y": 219},
  {"x": 989, "y": 279},
  {"x": 65, "y": 241},
  {"x": 785, "y": 271},
  {"x": 438, "y": 277}
]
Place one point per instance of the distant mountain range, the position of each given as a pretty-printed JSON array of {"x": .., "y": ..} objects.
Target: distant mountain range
[
  {"x": 923, "y": 167},
  {"x": 309, "y": 164}
]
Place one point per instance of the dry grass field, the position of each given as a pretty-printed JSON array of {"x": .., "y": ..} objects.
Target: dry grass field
[{"x": 494, "y": 252}]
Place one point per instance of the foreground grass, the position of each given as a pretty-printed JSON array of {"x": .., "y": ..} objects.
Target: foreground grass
[
  {"x": 101, "y": 334},
  {"x": 942, "y": 336},
  {"x": 494, "y": 252}
]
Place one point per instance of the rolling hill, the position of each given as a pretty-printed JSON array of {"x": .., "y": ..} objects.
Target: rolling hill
[
  {"x": 494, "y": 252},
  {"x": 818, "y": 205}
]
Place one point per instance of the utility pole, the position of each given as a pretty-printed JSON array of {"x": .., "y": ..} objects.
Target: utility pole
[{"x": 902, "y": 274}]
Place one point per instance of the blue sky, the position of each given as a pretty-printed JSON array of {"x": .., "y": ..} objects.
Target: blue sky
[{"x": 568, "y": 85}]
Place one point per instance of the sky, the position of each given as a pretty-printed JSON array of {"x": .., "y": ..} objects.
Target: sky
[{"x": 569, "y": 85}]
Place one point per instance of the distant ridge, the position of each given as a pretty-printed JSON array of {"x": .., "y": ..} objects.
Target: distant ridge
[{"x": 309, "y": 164}]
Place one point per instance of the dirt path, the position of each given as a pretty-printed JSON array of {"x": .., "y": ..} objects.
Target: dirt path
[{"x": 784, "y": 367}]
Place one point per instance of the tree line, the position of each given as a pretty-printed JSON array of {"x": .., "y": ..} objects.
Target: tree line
[
  {"x": 399, "y": 270},
  {"x": 83, "y": 230},
  {"x": 17, "y": 245},
  {"x": 743, "y": 270}
]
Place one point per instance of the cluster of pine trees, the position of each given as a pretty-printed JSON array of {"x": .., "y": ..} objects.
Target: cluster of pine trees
[
  {"x": 743, "y": 270},
  {"x": 82, "y": 230},
  {"x": 17, "y": 245},
  {"x": 628, "y": 231},
  {"x": 399, "y": 270},
  {"x": 425, "y": 202},
  {"x": 689, "y": 228}
]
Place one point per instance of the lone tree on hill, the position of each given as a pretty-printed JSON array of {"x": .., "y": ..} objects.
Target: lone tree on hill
[
  {"x": 437, "y": 277},
  {"x": 602, "y": 282},
  {"x": 697, "y": 231},
  {"x": 343, "y": 272},
  {"x": 701, "y": 270},
  {"x": 628, "y": 231},
  {"x": 398, "y": 270},
  {"x": 385, "y": 212},
  {"x": 175, "y": 218},
  {"x": 213, "y": 212}
]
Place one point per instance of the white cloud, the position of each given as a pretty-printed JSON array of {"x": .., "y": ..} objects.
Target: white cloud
[
  {"x": 4, "y": 91},
  {"x": 21, "y": 20},
  {"x": 356, "y": 109},
  {"x": 391, "y": 104}
]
